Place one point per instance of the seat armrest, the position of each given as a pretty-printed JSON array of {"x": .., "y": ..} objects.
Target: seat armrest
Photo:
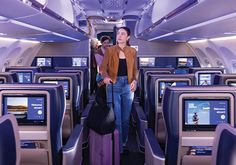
[
  {"x": 153, "y": 152},
  {"x": 83, "y": 121},
  {"x": 85, "y": 113},
  {"x": 142, "y": 124},
  {"x": 72, "y": 151}
]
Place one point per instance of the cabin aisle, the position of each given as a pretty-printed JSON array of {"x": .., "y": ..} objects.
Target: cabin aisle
[{"x": 133, "y": 156}]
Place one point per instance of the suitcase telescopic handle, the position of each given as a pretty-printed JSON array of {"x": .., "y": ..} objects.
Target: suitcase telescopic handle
[{"x": 112, "y": 94}]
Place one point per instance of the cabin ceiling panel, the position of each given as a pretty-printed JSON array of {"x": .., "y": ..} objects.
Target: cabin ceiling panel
[
  {"x": 135, "y": 13},
  {"x": 89, "y": 4},
  {"x": 112, "y": 10},
  {"x": 137, "y": 5}
]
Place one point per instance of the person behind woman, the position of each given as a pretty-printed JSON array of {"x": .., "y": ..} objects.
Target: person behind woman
[
  {"x": 100, "y": 93},
  {"x": 119, "y": 66},
  {"x": 105, "y": 40}
]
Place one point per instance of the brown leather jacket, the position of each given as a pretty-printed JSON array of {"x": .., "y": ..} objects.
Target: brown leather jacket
[{"x": 109, "y": 66}]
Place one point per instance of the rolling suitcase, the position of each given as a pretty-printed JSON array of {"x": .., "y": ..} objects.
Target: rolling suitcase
[{"x": 104, "y": 149}]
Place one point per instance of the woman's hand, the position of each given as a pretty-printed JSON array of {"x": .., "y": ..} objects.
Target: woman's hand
[
  {"x": 107, "y": 80},
  {"x": 133, "y": 85}
]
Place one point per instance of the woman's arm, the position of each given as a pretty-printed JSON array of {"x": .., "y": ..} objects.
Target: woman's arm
[
  {"x": 133, "y": 84},
  {"x": 104, "y": 65},
  {"x": 135, "y": 69}
]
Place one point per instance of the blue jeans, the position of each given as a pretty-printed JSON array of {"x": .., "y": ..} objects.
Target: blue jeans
[{"x": 123, "y": 98}]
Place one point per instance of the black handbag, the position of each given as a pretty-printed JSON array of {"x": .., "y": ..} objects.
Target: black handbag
[{"x": 101, "y": 117}]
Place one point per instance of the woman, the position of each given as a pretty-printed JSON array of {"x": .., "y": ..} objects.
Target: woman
[{"x": 119, "y": 66}]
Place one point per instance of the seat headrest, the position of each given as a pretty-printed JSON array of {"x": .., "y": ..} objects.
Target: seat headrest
[
  {"x": 224, "y": 147},
  {"x": 9, "y": 140}
]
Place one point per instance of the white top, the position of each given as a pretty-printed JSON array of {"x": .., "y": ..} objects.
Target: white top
[{"x": 99, "y": 58}]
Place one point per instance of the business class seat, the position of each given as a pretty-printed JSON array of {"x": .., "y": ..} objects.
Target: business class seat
[
  {"x": 225, "y": 79},
  {"x": 141, "y": 123},
  {"x": 196, "y": 69},
  {"x": 85, "y": 77},
  {"x": 35, "y": 69},
  {"x": 81, "y": 82},
  {"x": 143, "y": 72},
  {"x": 8, "y": 77},
  {"x": 205, "y": 76},
  {"x": 24, "y": 74},
  {"x": 39, "y": 110},
  {"x": 9, "y": 141},
  {"x": 71, "y": 84},
  {"x": 191, "y": 115},
  {"x": 224, "y": 148},
  {"x": 154, "y": 95}
]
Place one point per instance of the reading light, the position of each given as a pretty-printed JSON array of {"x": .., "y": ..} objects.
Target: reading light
[
  {"x": 43, "y": 2},
  {"x": 48, "y": 41},
  {"x": 197, "y": 41},
  {"x": 223, "y": 38},
  {"x": 120, "y": 21},
  {"x": 8, "y": 39},
  {"x": 179, "y": 40},
  {"x": 14, "y": 39},
  {"x": 3, "y": 19},
  {"x": 61, "y": 35},
  {"x": 28, "y": 41},
  {"x": 165, "y": 35}
]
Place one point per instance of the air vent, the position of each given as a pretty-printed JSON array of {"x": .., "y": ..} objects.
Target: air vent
[
  {"x": 82, "y": 23},
  {"x": 206, "y": 61},
  {"x": 6, "y": 63},
  {"x": 114, "y": 13},
  {"x": 219, "y": 63},
  {"x": 19, "y": 61},
  {"x": 113, "y": 3}
]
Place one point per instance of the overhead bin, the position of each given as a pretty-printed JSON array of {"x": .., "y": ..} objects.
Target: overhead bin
[
  {"x": 15, "y": 9},
  {"x": 164, "y": 9},
  {"x": 179, "y": 20},
  {"x": 38, "y": 20},
  {"x": 62, "y": 8}
]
